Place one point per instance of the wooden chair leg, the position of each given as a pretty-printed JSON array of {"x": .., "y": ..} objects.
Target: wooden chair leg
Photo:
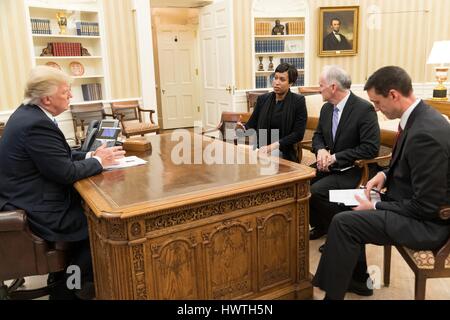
[
  {"x": 387, "y": 265},
  {"x": 420, "y": 287}
]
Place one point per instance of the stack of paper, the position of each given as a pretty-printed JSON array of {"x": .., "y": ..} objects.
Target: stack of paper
[
  {"x": 347, "y": 196},
  {"x": 126, "y": 162}
]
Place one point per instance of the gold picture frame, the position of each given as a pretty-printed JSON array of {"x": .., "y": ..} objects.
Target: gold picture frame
[{"x": 338, "y": 31}]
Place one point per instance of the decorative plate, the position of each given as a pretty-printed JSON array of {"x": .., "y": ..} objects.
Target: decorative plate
[
  {"x": 76, "y": 68},
  {"x": 53, "y": 64}
]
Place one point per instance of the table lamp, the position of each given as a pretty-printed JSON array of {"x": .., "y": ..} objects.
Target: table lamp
[{"x": 440, "y": 54}]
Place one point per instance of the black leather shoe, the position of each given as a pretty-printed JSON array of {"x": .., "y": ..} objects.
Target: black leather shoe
[
  {"x": 87, "y": 291},
  {"x": 360, "y": 288},
  {"x": 321, "y": 248},
  {"x": 316, "y": 233}
]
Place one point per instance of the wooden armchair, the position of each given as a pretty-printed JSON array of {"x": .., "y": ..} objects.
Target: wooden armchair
[
  {"x": 425, "y": 264},
  {"x": 252, "y": 96},
  {"x": 306, "y": 91},
  {"x": 387, "y": 140},
  {"x": 83, "y": 114},
  {"x": 304, "y": 147},
  {"x": 228, "y": 122},
  {"x": 131, "y": 120}
]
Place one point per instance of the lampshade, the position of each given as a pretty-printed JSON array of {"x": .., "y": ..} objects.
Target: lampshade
[{"x": 440, "y": 53}]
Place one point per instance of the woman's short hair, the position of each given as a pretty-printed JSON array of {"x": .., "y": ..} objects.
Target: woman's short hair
[
  {"x": 291, "y": 70},
  {"x": 337, "y": 75},
  {"x": 44, "y": 81}
]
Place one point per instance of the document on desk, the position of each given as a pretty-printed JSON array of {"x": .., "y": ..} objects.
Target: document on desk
[
  {"x": 347, "y": 196},
  {"x": 126, "y": 162}
]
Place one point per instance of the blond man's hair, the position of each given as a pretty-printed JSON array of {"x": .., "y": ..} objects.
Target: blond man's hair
[{"x": 44, "y": 81}]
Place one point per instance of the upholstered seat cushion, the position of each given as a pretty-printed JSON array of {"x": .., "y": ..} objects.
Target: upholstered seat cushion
[
  {"x": 132, "y": 127},
  {"x": 425, "y": 259}
]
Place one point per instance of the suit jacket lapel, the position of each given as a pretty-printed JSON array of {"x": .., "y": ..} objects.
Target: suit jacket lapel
[
  {"x": 402, "y": 138},
  {"x": 344, "y": 117},
  {"x": 51, "y": 123}
]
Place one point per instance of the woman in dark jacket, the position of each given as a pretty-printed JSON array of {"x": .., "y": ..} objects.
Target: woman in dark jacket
[{"x": 280, "y": 116}]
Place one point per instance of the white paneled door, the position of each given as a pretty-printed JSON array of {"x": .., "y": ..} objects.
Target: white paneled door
[
  {"x": 177, "y": 66},
  {"x": 216, "y": 45}
]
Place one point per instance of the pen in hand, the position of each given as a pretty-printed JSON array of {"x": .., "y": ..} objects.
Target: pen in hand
[{"x": 372, "y": 189}]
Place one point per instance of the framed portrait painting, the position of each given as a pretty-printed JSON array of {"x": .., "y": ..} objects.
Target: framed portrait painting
[{"x": 338, "y": 31}]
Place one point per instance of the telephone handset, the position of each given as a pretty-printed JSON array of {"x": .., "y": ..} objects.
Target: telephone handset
[
  {"x": 99, "y": 133},
  {"x": 90, "y": 136}
]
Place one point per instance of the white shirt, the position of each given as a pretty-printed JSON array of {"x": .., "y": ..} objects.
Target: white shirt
[
  {"x": 341, "y": 105},
  {"x": 52, "y": 118},
  {"x": 405, "y": 116},
  {"x": 337, "y": 36}
]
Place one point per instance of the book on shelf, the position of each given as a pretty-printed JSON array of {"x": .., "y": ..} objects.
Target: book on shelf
[
  {"x": 40, "y": 26},
  {"x": 295, "y": 27},
  {"x": 66, "y": 49},
  {"x": 92, "y": 91},
  {"x": 263, "y": 28},
  {"x": 261, "y": 82},
  {"x": 87, "y": 28},
  {"x": 298, "y": 63},
  {"x": 267, "y": 46}
]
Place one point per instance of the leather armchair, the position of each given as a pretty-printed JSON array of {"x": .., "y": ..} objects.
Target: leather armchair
[{"x": 25, "y": 254}]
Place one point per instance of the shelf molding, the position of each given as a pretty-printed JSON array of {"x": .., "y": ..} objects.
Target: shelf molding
[
  {"x": 278, "y": 53},
  {"x": 64, "y": 36},
  {"x": 68, "y": 57}
]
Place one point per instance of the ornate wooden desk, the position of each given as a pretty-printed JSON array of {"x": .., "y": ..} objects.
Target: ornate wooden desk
[{"x": 197, "y": 231}]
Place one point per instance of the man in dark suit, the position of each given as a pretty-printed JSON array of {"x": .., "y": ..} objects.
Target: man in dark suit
[
  {"x": 335, "y": 41},
  {"x": 348, "y": 130},
  {"x": 417, "y": 182},
  {"x": 38, "y": 168}
]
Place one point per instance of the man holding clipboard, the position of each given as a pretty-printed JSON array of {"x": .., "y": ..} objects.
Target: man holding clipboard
[{"x": 417, "y": 185}]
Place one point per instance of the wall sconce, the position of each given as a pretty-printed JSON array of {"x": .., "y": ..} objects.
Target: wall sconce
[{"x": 440, "y": 54}]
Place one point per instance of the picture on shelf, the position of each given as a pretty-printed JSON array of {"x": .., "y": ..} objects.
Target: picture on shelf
[
  {"x": 76, "y": 68},
  {"x": 338, "y": 31},
  {"x": 53, "y": 65}
]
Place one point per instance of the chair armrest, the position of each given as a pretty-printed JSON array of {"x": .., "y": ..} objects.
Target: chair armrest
[
  {"x": 210, "y": 130},
  {"x": 307, "y": 144},
  {"x": 151, "y": 111},
  {"x": 364, "y": 162},
  {"x": 12, "y": 220}
]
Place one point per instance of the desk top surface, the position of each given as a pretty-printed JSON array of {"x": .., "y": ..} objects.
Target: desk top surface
[{"x": 163, "y": 183}]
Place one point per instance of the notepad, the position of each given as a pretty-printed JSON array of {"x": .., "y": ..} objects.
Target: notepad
[
  {"x": 126, "y": 162},
  {"x": 347, "y": 196}
]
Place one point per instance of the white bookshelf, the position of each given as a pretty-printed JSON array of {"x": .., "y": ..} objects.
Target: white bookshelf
[
  {"x": 94, "y": 65},
  {"x": 290, "y": 45}
]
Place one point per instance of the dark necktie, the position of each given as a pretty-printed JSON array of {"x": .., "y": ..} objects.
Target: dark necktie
[{"x": 397, "y": 137}]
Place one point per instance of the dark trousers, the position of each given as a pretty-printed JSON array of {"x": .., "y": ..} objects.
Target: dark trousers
[
  {"x": 321, "y": 210},
  {"x": 344, "y": 253},
  {"x": 80, "y": 254}
]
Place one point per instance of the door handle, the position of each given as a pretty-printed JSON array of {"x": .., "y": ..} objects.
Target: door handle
[
  {"x": 228, "y": 88},
  {"x": 163, "y": 91}
]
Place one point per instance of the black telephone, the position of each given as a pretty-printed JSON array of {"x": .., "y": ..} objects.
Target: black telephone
[{"x": 99, "y": 133}]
